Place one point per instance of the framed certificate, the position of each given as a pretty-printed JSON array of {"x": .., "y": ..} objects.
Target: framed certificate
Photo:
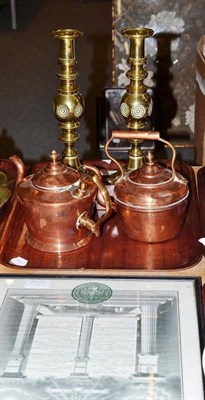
[{"x": 101, "y": 338}]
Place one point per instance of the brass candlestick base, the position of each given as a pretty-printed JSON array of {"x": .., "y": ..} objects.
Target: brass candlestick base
[
  {"x": 68, "y": 103},
  {"x": 136, "y": 103}
]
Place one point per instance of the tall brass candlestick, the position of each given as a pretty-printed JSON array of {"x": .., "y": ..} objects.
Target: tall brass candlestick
[
  {"x": 68, "y": 103},
  {"x": 136, "y": 103}
]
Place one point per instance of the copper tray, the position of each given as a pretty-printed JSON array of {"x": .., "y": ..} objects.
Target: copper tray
[
  {"x": 201, "y": 194},
  {"x": 113, "y": 250}
]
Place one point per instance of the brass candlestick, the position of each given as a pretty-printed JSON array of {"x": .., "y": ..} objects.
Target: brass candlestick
[
  {"x": 136, "y": 103},
  {"x": 68, "y": 103}
]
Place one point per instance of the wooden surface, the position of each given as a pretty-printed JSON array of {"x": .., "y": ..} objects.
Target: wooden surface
[
  {"x": 201, "y": 195},
  {"x": 112, "y": 253}
]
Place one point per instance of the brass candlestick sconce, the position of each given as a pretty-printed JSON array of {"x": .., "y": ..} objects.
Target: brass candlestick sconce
[
  {"x": 68, "y": 103},
  {"x": 136, "y": 103}
]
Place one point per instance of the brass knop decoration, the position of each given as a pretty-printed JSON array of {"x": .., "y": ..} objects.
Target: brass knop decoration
[
  {"x": 136, "y": 103},
  {"x": 68, "y": 103}
]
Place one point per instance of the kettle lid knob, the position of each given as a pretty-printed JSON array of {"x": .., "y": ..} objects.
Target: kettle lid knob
[
  {"x": 149, "y": 157},
  {"x": 54, "y": 155}
]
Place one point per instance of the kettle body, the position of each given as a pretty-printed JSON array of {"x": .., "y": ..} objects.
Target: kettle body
[{"x": 58, "y": 203}]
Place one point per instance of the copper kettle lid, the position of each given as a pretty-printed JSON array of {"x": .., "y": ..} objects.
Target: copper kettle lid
[
  {"x": 55, "y": 175},
  {"x": 151, "y": 187},
  {"x": 150, "y": 173}
]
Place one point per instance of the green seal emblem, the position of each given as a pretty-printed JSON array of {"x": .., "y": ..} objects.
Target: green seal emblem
[{"x": 92, "y": 293}]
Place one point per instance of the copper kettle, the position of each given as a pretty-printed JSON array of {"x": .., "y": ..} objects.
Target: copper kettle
[
  {"x": 58, "y": 204},
  {"x": 151, "y": 201}
]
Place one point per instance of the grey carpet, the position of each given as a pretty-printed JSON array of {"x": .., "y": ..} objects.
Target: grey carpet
[{"x": 28, "y": 68}]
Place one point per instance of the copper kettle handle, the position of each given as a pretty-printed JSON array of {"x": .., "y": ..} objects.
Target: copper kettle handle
[
  {"x": 84, "y": 218},
  {"x": 141, "y": 135}
]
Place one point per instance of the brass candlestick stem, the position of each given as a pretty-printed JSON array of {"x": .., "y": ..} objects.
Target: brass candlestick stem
[
  {"x": 136, "y": 103},
  {"x": 68, "y": 103}
]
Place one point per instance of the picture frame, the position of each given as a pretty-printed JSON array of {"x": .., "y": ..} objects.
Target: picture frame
[{"x": 71, "y": 337}]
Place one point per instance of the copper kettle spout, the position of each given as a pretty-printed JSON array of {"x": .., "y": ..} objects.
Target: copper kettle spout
[
  {"x": 20, "y": 174},
  {"x": 19, "y": 166}
]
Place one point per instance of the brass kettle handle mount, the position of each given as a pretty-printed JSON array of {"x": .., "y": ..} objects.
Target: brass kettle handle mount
[{"x": 83, "y": 219}]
